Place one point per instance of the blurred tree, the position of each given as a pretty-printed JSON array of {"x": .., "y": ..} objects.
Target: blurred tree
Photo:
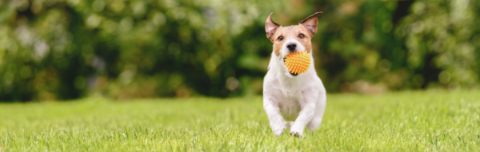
[
  {"x": 66, "y": 49},
  {"x": 443, "y": 40}
]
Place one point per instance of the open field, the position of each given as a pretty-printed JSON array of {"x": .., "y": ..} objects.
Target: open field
[{"x": 404, "y": 121}]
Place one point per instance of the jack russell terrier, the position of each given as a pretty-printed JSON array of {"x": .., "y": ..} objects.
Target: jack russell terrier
[{"x": 292, "y": 100}]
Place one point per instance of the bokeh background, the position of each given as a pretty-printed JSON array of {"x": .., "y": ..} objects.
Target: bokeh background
[{"x": 121, "y": 49}]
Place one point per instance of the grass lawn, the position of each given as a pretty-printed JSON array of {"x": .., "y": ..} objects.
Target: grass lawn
[{"x": 403, "y": 121}]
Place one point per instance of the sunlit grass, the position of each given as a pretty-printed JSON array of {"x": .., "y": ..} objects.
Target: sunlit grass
[{"x": 405, "y": 121}]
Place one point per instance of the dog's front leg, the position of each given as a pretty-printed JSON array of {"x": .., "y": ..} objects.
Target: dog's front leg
[
  {"x": 273, "y": 113},
  {"x": 305, "y": 115}
]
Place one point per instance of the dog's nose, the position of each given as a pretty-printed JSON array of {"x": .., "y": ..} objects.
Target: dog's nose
[{"x": 291, "y": 47}]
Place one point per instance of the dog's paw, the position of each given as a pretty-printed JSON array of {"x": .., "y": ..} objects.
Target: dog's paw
[
  {"x": 296, "y": 133},
  {"x": 278, "y": 131}
]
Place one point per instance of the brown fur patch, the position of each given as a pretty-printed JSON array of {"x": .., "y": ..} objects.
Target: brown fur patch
[
  {"x": 291, "y": 32},
  {"x": 305, "y": 41},
  {"x": 271, "y": 27},
  {"x": 277, "y": 44},
  {"x": 311, "y": 23}
]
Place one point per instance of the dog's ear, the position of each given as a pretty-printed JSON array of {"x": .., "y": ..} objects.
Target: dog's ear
[
  {"x": 271, "y": 27},
  {"x": 311, "y": 23}
]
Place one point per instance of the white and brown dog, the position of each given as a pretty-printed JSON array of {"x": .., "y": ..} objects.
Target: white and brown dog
[{"x": 292, "y": 100}]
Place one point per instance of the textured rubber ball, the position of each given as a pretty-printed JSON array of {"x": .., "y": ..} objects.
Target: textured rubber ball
[{"x": 298, "y": 62}]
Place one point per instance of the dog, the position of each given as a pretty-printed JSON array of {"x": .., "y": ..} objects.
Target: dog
[{"x": 292, "y": 101}]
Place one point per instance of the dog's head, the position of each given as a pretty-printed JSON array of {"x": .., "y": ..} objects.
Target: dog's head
[{"x": 295, "y": 38}]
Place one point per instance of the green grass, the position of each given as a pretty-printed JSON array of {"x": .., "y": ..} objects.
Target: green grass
[{"x": 405, "y": 121}]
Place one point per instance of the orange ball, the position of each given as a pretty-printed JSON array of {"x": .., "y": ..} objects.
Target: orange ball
[{"x": 298, "y": 62}]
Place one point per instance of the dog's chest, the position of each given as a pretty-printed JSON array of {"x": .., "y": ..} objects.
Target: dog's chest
[{"x": 290, "y": 106}]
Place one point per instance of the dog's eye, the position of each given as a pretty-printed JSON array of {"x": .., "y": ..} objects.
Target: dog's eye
[
  {"x": 280, "y": 38},
  {"x": 301, "y": 35}
]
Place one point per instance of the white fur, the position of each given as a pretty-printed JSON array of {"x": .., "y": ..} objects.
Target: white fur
[{"x": 301, "y": 98}]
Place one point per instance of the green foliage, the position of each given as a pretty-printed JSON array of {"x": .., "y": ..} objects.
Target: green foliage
[
  {"x": 64, "y": 49},
  {"x": 406, "y": 121},
  {"x": 444, "y": 36}
]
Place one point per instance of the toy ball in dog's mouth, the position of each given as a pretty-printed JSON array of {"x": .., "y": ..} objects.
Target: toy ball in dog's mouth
[{"x": 297, "y": 62}]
